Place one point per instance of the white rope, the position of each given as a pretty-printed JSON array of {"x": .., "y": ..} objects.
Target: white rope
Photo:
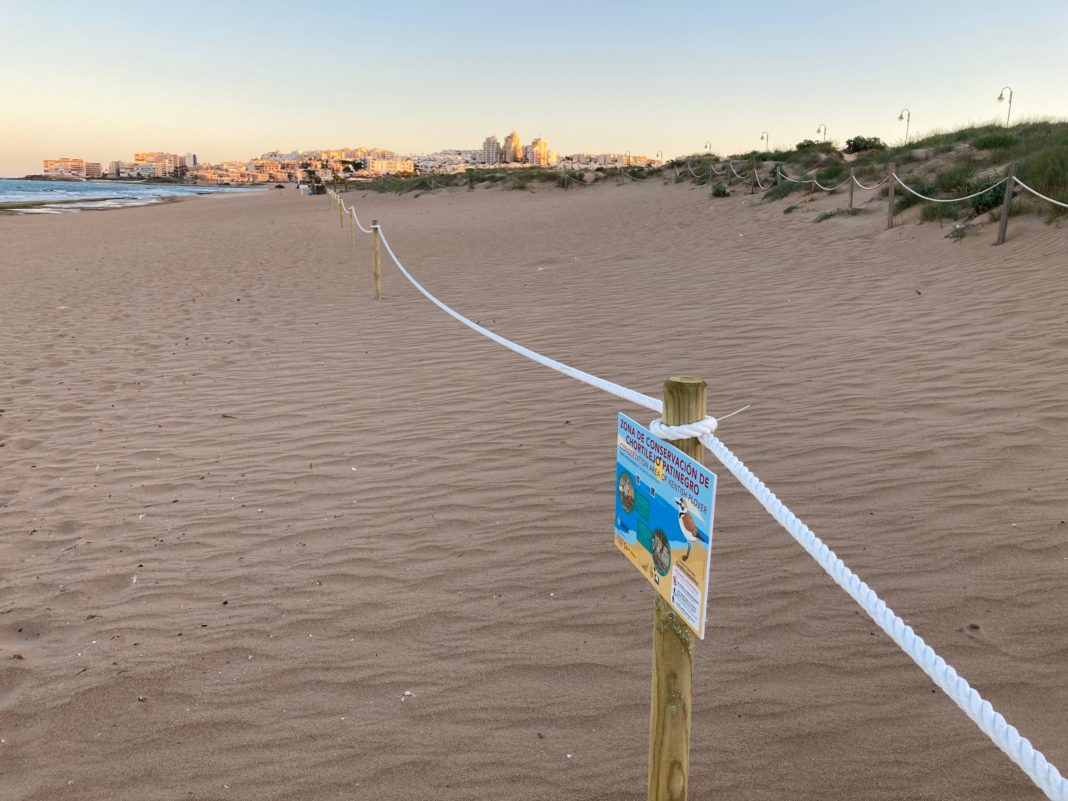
[
  {"x": 695, "y": 175},
  {"x": 795, "y": 180},
  {"x": 712, "y": 167},
  {"x": 1039, "y": 194},
  {"x": 358, "y": 223},
  {"x": 619, "y": 391},
  {"x": 828, "y": 188},
  {"x": 756, "y": 177},
  {"x": 876, "y": 186},
  {"x": 990, "y": 722},
  {"x": 675, "y": 167},
  {"x": 731, "y": 165},
  {"x": 632, "y": 177},
  {"x": 951, "y": 199},
  {"x": 698, "y": 429}
]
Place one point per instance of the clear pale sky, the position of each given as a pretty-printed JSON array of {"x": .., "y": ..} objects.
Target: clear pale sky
[{"x": 100, "y": 79}]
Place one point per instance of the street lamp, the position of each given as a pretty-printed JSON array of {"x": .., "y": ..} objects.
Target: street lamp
[
  {"x": 660, "y": 156},
  {"x": 822, "y": 126},
  {"x": 1001, "y": 99},
  {"x": 906, "y": 117},
  {"x": 766, "y": 140}
]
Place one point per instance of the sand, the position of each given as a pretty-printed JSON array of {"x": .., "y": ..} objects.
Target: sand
[{"x": 245, "y": 510}]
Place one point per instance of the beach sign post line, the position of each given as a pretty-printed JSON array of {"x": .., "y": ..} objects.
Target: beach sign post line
[{"x": 665, "y": 501}]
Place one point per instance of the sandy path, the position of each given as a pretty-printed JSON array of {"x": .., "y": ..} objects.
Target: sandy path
[{"x": 326, "y": 502}]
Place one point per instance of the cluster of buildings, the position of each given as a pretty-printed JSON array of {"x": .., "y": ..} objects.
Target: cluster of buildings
[
  {"x": 144, "y": 165},
  {"x": 358, "y": 162}
]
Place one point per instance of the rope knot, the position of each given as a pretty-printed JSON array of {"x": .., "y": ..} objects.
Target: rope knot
[{"x": 686, "y": 431}]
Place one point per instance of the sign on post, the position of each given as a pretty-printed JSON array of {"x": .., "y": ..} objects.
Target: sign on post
[{"x": 664, "y": 506}]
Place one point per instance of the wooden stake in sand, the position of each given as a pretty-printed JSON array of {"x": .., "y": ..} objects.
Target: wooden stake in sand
[
  {"x": 377, "y": 254},
  {"x": 352, "y": 231},
  {"x": 340, "y": 220},
  {"x": 1003, "y": 223},
  {"x": 669, "y": 723},
  {"x": 852, "y": 186},
  {"x": 890, "y": 203}
]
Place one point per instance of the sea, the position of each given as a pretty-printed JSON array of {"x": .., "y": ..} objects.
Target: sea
[{"x": 59, "y": 197}]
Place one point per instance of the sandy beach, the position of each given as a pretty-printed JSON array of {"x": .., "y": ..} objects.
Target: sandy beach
[{"x": 262, "y": 537}]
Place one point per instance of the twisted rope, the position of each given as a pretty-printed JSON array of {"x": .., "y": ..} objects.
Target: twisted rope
[
  {"x": 947, "y": 200},
  {"x": 990, "y": 722},
  {"x": 731, "y": 165},
  {"x": 795, "y": 180},
  {"x": 828, "y": 188},
  {"x": 1039, "y": 194},
  {"x": 876, "y": 186}
]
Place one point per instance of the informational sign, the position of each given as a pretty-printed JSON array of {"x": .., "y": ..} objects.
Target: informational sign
[{"x": 664, "y": 506}]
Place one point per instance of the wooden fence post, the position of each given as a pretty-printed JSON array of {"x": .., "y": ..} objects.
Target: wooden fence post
[
  {"x": 1003, "y": 223},
  {"x": 376, "y": 252},
  {"x": 352, "y": 230},
  {"x": 890, "y": 204},
  {"x": 672, "y": 695},
  {"x": 753, "y": 185},
  {"x": 852, "y": 186},
  {"x": 340, "y": 221}
]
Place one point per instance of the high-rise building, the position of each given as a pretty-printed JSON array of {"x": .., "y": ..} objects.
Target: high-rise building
[
  {"x": 513, "y": 149},
  {"x": 539, "y": 152},
  {"x": 92, "y": 169},
  {"x": 491, "y": 150}
]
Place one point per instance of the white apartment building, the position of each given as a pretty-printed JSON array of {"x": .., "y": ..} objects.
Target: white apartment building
[
  {"x": 131, "y": 169},
  {"x": 491, "y": 150},
  {"x": 390, "y": 166},
  {"x": 74, "y": 168},
  {"x": 92, "y": 169}
]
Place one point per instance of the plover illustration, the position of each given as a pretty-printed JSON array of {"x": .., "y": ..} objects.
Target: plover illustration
[{"x": 688, "y": 527}]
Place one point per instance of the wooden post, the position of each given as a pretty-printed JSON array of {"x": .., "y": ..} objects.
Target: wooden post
[
  {"x": 752, "y": 186},
  {"x": 669, "y": 722},
  {"x": 377, "y": 253},
  {"x": 890, "y": 203},
  {"x": 340, "y": 220},
  {"x": 1003, "y": 223},
  {"x": 852, "y": 186},
  {"x": 352, "y": 231}
]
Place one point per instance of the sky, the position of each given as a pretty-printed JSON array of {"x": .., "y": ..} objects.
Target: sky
[{"x": 231, "y": 79}]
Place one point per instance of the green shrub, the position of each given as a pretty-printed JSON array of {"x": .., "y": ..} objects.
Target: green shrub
[
  {"x": 988, "y": 201},
  {"x": 790, "y": 209},
  {"x": 955, "y": 179},
  {"x": 719, "y": 190},
  {"x": 939, "y": 211},
  {"x": 861, "y": 143},
  {"x": 845, "y": 212},
  {"x": 994, "y": 141}
]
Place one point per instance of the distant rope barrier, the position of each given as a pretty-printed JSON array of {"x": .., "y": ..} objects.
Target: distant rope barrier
[
  {"x": 876, "y": 186},
  {"x": 695, "y": 175},
  {"x": 1005, "y": 736},
  {"x": 756, "y": 178},
  {"x": 829, "y": 188},
  {"x": 795, "y": 180},
  {"x": 736, "y": 174},
  {"x": 908, "y": 188},
  {"x": 1040, "y": 195}
]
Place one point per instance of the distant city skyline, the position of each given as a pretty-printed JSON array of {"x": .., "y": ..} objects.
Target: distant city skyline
[{"x": 421, "y": 77}]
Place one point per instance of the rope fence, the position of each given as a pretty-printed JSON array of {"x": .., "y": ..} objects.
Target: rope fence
[{"x": 1005, "y": 736}]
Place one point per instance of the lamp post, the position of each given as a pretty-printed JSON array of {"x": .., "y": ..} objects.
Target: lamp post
[
  {"x": 1001, "y": 99},
  {"x": 822, "y": 126},
  {"x": 660, "y": 156},
  {"x": 766, "y": 140},
  {"x": 906, "y": 117}
]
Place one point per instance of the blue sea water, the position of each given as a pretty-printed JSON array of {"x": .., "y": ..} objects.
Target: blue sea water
[{"x": 98, "y": 194}]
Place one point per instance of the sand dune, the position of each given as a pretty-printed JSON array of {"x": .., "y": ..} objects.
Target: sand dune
[{"x": 244, "y": 509}]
